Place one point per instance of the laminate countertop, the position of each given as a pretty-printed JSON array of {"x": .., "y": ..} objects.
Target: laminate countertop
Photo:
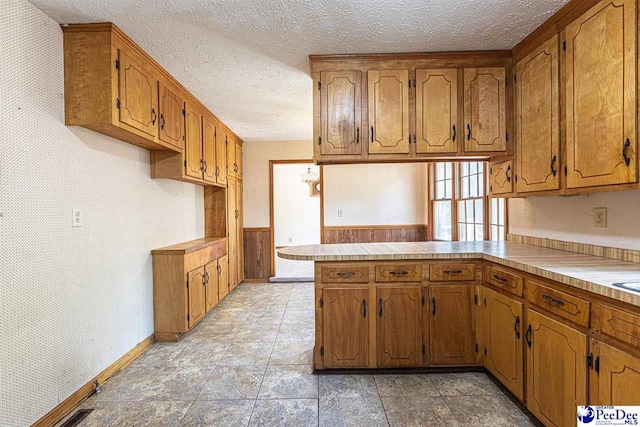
[{"x": 587, "y": 272}]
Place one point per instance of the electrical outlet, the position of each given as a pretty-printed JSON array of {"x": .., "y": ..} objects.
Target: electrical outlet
[
  {"x": 77, "y": 219},
  {"x": 600, "y": 217},
  {"x": 340, "y": 213}
]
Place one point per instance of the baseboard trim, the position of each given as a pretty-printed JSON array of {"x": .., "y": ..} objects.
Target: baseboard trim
[
  {"x": 70, "y": 403},
  {"x": 256, "y": 280}
]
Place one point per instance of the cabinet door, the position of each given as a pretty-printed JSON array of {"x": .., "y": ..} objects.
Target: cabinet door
[
  {"x": 503, "y": 327},
  {"x": 537, "y": 124},
  {"x": 399, "y": 326},
  {"x": 193, "y": 150},
  {"x": 389, "y": 111},
  {"x": 556, "y": 370},
  {"x": 232, "y": 235},
  {"x": 239, "y": 233},
  {"x": 500, "y": 178},
  {"x": 484, "y": 109},
  {"x": 138, "y": 95},
  {"x": 615, "y": 377},
  {"x": 601, "y": 95},
  {"x": 239, "y": 160},
  {"x": 340, "y": 98},
  {"x": 232, "y": 167},
  {"x": 223, "y": 276},
  {"x": 436, "y": 111},
  {"x": 221, "y": 156},
  {"x": 171, "y": 108},
  {"x": 451, "y": 325},
  {"x": 196, "y": 283},
  {"x": 211, "y": 286},
  {"x": 345, "y": 327},
  {"x": 209, "y": 149}
]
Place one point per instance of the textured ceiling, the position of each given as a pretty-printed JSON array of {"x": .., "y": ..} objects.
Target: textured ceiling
[{"x": 248, "y": 60}]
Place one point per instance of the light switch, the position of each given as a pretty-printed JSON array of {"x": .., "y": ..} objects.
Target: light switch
[
  {"x": 340, "y": 213},
  {"x": 77, "y": 217}
]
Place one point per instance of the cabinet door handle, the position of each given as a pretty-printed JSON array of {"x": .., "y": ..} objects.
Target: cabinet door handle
[
  {"x": 346, "y": 274},
  {"x": 433, "y": 304},
  {"x": 453, "y": 272},
  {"x": 380, "y": 307},
  {"x": 237, "y": 214},
  {"x": 507, "y": 173},
  {"x": 468, "y": 132},
  {"x": 454, "y": 133},
  {"x": 625, "y": 149},
  {"x": 553, "y": 163},
  {"x": 552, "y": 300},
  {"x": 153, "y": 116},
  {"x": 364, "y": 308},
  {"x": 500, "y": 278},
  {"x": 516, "y": 327},
  {"x": 372, "y": 134},
  {"x": 399, "y": 273},
  {"x": 219, "y": 270},
  {"x": 358, "y": 135},
  {"x": 162, "y": 121},
  {"x": 527, "y": 336}
]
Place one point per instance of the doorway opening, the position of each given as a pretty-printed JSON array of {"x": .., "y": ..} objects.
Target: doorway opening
[{"x": 296, "y": 200}]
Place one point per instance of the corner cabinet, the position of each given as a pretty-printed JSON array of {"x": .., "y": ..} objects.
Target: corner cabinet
[
  {"x": 485, "y": 110},
  {"x": 601, "y": 96}
]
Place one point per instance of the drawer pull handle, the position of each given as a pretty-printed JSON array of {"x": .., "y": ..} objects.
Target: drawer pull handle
[
  {"x": 453, "y": 272},
  {"x": 433, "y": 303},
  {"x": 346, "y": 274},
  {"x": 500, "y": 278},
  {"x": 454, "y": 133},
  {"x": 516, "y": 327},
  {"x": 364, "y": 308},
  {"x": 399, "y": 273},
  {"x": 553, "y": 301},
  {"x": 380, "y": 307},
  {"x": 527, "y": 336},
  {"x": 625, "y": 148}
]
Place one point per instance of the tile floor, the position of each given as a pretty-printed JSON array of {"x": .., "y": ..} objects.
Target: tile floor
[{"x": 249, "y": 362}]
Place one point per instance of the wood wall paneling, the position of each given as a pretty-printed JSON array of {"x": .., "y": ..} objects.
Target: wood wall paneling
[
  {"x": 375, "y": 233},
  {"x": 257, "y": 253}
]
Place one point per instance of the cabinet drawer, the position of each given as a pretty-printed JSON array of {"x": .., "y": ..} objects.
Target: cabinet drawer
[
  {"x": 564, "y": 305},
  {"x": 618, "y": 324},
  {"x": 452, "y": 272},
  {"x": 399, "y": 273},
  {"x": 504, "y": 279},
  {"x": 345, "y": 274}
]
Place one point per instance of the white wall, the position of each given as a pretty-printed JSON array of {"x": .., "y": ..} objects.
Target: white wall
[
  {"x": 375, "y": 194},
  {"x": 570, "y": 218},
  {"x": 72, "y": 300},
  {"x": 296, "y": 212}
]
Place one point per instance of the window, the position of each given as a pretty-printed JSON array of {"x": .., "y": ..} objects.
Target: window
[
  {"x": 459, "y": 202},
  {"x": 498, "y": 222}
]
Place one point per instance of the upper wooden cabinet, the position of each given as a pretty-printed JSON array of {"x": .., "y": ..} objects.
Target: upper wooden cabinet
[
  {"x": 340, "y": 112},
  {"x": 537, "y": 119},
  {"x": 221, "y": 157},
  {"x": 388, "y": 92},
  {"x": 601, "y": 95},
  {"x": 501, "y": 178},
  {"x": 238, "y": 160},
  {"x": 436, "y": 111},
  {"x": 113, "y": 87},
  {"x": 485, "y": 110}
]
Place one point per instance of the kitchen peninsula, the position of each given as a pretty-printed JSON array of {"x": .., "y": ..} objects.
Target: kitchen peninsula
[{"x": 554, "y": 327}]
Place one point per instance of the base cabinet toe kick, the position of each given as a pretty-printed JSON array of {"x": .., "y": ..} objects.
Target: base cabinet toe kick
[{"x": 553, "y": 346}]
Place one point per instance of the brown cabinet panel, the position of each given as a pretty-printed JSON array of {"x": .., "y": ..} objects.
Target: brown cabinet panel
[
  {"x": 399, "y": 326},
  {"x": 504, "y": 279},
  {"x": 171, "y": 109},
  {"x": 503, "y": 327},
  {"x": 232, "y": 167},
  {"x": 501, "y": 178},
  {"x": 561, "y": 303},
  {"x": 193, "y": 149},
  {"x": 398, "y": 273},
  {"x": 601, "y": 92},
  {"x": 223, "y": 276},
  {"x": 138, "y": 95},
  {"x": 340, "y": 110},
  {"x": 556, "y": 370},
  {"x": 537, "y": 119},
  {"x": 452, "y": 272},
  {"x": 614, "y": 376},
  {"x": 209, "y": 149},
  {"x": 451, "y": 325},
  {"x": 221, "y": 156},
  {"x": 196, "y": 284},
  {"x": 238, "y": 160},
  {"x": 388, "y": 92},
  {"x": 211, "y": 285},
  {"x": 346, "y": 327},
  {"x": 436, "y": 111},
  {"x": 484, "y": 109}
]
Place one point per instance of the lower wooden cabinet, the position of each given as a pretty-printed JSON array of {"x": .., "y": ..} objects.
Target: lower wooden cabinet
[
  {"x": 451, "y": 325},
  {"x": 195, "y": 284},
  {"x": 503, "y": 328},
  {"x": 614, "y": 376},
  {"x": 223, "y": 277},
  {"x": 345, "y": 319},
  {"x": 399, "y": 326},
  {"x": 556, "y": 370}
]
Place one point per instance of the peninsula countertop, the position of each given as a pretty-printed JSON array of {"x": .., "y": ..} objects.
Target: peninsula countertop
[{"x": 587, "y": 272}]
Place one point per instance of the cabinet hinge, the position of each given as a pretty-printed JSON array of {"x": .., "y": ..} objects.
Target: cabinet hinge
[
  {"x": 506, "y": 81},
  {"x": 596, "y": 365},
  {"x": 118, "y": 102},
  {"x": 117, "y": 63},
  {"x": 516, "y": 178},
  {"x": 412, "y": 82},
  {"x": 485, "y": 301},
  {"x": 184, "y": 112},
  {"x": 424, "y": 349},
  {"x": 507, "y": 136},
  {"x": 319, "y": 140},
  {"x": 185, "y": 163},
  {"x": 564, "y": 45},
  {"x": 476, "y": 347},
  {"x": 422, "y": 299},
  {"x": 515, "y": 78},
  {"x": 321, "y": 351},
  {"x": 490, "y": 188},
  {"x": 475, "y": 299},
  {"x": 590, "y": 360},
  {"x": 187, "y": 284},
  {"x": 565, "y": 170},
  {"x": 321, "y": 303},
  {"x": 188, "y": 317},
  {"x": 319, "y": 84},
  {"x": 485, "y": 351}
]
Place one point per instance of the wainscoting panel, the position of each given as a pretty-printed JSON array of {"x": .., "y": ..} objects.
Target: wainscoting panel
[
  {"x": 257, "y": 253},
  {"x": 376, "y": 233}
]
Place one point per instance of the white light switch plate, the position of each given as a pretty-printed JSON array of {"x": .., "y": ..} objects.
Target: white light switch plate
[
  {"x": 77, "y": 217},
  {"x": 340, "y": 213}
]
